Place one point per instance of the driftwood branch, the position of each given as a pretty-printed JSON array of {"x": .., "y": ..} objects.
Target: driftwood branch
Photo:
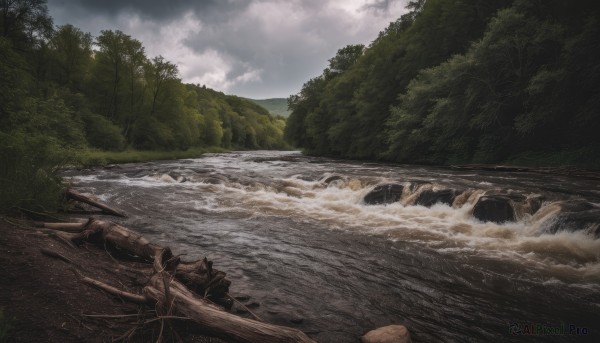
[
  {"x": 72, "y": 194},
  {"x": 138, "y": 299},
  {"x": 67, "y": 227},
  {"x": 54, "y": 254},
  {"x": 216, "y": 321},
  {"x": 183, "y": 289}
]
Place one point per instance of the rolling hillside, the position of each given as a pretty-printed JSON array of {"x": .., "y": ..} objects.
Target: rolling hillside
[{"x": 275, "y": 106}]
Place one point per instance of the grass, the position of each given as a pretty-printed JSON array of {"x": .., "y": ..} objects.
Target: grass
[{"x": 99, "y": 157}]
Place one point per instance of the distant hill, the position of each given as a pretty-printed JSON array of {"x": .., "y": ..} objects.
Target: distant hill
[{"x": 275, "y": 106}]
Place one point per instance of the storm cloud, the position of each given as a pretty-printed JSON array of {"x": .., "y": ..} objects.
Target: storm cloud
[{"x": 251, "y": 48}]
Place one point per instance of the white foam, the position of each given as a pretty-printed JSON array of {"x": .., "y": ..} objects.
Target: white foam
[{"x": 448, "y": 229}]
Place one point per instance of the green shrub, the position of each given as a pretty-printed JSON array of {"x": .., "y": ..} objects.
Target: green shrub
[
  {"x": 101, "y": 133},
  {"x": 28, "y": 172}
]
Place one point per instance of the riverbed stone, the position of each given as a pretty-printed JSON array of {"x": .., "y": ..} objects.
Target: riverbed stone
[
  {"x": 384, "y": 194},
  {"x": 332, "y": 178},
  {"x": 494, "y": 208},
  {"x": 574, "y": 215},
  {"x": 430, "y": 197},
  {"x": 297, "y": 320},
  {"x": 387, "y": 334}
]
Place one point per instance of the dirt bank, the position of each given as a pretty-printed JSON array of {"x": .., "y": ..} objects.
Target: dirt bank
[{"x": 44, "y": 301}]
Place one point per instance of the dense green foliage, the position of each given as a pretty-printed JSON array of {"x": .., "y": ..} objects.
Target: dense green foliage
[
  {"x": 104, "y": 157},
  {"x": 275, "y": 106},
  {"x": 63, "y": 91},
  {"x": 459, "y": 81}
]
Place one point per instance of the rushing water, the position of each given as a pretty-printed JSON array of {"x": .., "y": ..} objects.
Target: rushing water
[{"x": 314, "y": 256}]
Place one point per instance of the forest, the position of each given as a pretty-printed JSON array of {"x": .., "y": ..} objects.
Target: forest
[
  {"x": 462, "y": 81},
  {"x": 63, "y": 91}
]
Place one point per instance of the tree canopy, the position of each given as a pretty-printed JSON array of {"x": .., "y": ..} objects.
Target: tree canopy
[
  {"x": 459, "y": 82},
  {"x": 62, "y": 90}
]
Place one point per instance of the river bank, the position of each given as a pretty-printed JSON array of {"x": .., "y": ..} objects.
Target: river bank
[
  {"x": 283, "y": 225},
  {"x": 90, "y": 158},
  {"x": 43, "y": 299}
]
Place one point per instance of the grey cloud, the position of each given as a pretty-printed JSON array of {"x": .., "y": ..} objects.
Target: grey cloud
[
  {"x": 377, "y": 5},
  {"x": 265, "y": 48},
  {"x": 382, "y": 7},
  {"x": 153, "y": 9}
]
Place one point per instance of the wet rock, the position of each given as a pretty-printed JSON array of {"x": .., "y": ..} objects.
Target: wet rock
[
  {"x": 213, "y": 181},
  {"x": 241, "y": 310},
  {"x": 586, "y": 221},
  {"x": 430, "y": 197},
  {"x": 309, "y": 178},
  {"x": 175, "y": 175},
  {"x": 387, "y": 334},
  {"x": 297, "y": 320},
  {"x": 575, "y": 216},
  {"x": 533, "y": 203},
  {"x": 253, "y": 305},
  {"x": 332, "y": 178},
  {"x": 201, "y": 170},
  {"x": 384, "y": 194},
  {"x": 494, "y": 208},
  {"x": 242, "y": 298},
  {"x": 575, "y": 206},
  {"x": 414, "y": 185}
]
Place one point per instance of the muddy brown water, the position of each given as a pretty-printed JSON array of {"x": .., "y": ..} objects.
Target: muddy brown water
[{"x": 314, "y": 256}]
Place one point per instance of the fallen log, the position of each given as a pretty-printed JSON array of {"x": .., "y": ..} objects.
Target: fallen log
[
  {"x": 187, "y": 289},
  {"x": 72, "y": 194},
  {"x": 135, "y": 298},
  {"x": 67, "y": 227},
  {"x": 176, "y": 297},
  {"x": 199, "y": 276},
  {"x": 120, "y": 237}
]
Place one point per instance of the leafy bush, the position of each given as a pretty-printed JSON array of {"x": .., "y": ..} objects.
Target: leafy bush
[
  {"x": 28, "y": 173},
  {"x": 101, "y": 133}
]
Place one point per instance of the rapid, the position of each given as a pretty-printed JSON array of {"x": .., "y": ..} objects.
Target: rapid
[{"x": 295, "y": 234}]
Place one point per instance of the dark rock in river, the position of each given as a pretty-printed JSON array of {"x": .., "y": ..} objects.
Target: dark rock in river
[
  {"x": 575, "y": 206},
  {"x": 332, "y": 178},
  {"x": 533, "y": 203},
  {"x": 494, "y": 208},
  {"x": 387, "y": 334},
  {"x": 177, "y": 176},
  {"x": 430, "y": 197},
  {"x": 242, "y": 298},
  {"x": 297, "y": 320},
  {"x": 213, "y": 181},
  {"x": 575, "y": 215},
  {"x": 253, "y": 305},
  {"x": 384, "y": 194}
]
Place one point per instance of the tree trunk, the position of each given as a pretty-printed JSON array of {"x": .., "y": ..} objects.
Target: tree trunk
[
  {"x": 72, "y": 194},
  {"x": 212, "y": 318},
  {"x": 180, "y": 288}
]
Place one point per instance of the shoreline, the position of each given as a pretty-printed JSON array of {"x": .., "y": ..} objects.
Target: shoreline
[
  {"x": 94, "y": 158},
  {"x": 43, "y": 297}
]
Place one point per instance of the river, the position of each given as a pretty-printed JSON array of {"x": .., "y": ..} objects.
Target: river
[{"x": 314, "y": 256}]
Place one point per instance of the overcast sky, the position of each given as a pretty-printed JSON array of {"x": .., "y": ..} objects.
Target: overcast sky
[{"x": 252, "y": 48}]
